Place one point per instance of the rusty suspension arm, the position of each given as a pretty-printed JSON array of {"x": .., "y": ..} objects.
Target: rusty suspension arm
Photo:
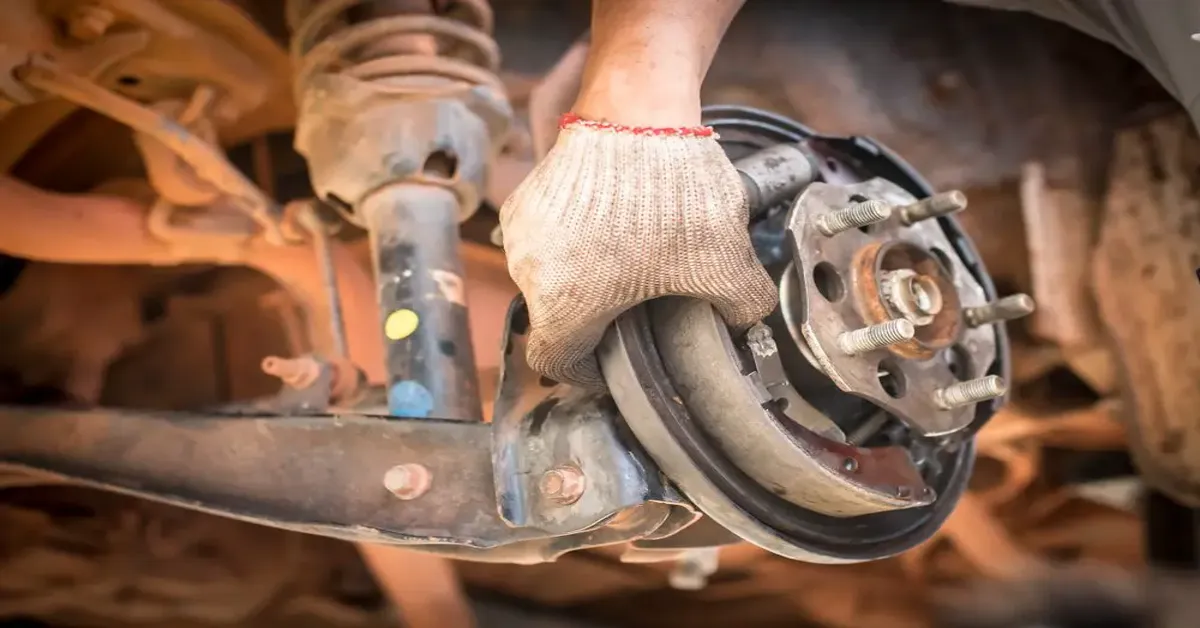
[{"x": 317, "y": 474}]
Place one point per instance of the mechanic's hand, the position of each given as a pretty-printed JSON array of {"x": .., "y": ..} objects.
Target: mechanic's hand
[{"x": 617, "y": 215}]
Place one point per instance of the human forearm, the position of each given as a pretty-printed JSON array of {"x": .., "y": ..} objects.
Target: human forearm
[{"x": 648, "y": 58}]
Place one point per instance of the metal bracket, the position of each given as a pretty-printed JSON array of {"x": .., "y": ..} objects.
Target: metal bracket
[{"x": 544, "y": 431}]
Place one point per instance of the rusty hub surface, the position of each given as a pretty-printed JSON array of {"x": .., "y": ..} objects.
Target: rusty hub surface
[{"x": 887, "y": 271}]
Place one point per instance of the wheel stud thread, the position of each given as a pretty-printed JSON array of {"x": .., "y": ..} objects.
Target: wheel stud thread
[
  {"x": 941, "y": 204},
  {"x": 1008, "y": 308},
  {"x": 971, "y": 391},
  {"x": 856, "y": 215},
  {"x": 875, "y": 337}
]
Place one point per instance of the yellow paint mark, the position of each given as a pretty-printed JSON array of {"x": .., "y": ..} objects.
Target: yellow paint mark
[{"x": 400, "y": 324}]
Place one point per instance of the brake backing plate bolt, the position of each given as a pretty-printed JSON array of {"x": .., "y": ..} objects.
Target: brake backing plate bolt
[
  {"x": 1008, "y": 308},
  {"x": 970, "y": 391},
  {"x": 940, "y": 204},
  {"x": 563, "y": 484},
  {"x": 408, "y": 481},
  {"x": 856, "y": 215},
  {"x": 875, "y": 337}
]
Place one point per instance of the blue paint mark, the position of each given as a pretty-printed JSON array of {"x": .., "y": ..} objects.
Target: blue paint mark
[{"x": 409, "y": 399}]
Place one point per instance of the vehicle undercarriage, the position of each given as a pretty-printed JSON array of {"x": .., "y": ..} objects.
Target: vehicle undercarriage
[{"x": 234, "y": 236}]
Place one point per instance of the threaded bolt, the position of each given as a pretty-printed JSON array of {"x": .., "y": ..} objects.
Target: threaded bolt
[
  {"x": 941, "y": 204},
  {"x": 563, "y": 485},
  {"x": 408, "y": 481},
  {"x": 1008, "y": 308},
  {"x": 875, "y": 337},
  {"x": 970, "y": 391},
  {"x": 856, "y": 215},
  {"x": 299, "y": 372}
]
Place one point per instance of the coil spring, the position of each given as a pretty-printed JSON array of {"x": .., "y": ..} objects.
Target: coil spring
[{"x": 324, "y": 41}]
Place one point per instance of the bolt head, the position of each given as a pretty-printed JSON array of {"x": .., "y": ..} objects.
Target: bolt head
[
  {"x": 563, "y": 485},
  {"x": 408, "y": 481}
]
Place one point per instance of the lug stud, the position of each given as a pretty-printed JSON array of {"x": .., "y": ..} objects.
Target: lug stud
[
  {"x": 970, "y": 391},
  {"x": 1008, "y": 308},
  {"x": 875, "y": 337},
  {"x": 941, "y": 204},
  {"x": 856, "y": 215}
]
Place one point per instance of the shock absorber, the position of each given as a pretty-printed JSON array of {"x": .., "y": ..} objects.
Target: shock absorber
[{"x": 400, "y": 113}]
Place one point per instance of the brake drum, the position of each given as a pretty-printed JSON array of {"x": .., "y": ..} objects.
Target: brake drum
[{"x": 840, "y": 429}]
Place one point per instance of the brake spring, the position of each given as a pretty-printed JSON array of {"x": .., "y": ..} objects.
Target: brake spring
[{"x": 374, "y": 41}]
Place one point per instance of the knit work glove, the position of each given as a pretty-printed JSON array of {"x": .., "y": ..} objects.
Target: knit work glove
[{"x": 614, "y": 216}]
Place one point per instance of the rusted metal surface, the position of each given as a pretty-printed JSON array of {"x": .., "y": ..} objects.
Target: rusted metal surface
[
  {"x": 400, "y": 116},
  {"x": 657, "y": 416},
  {"x": 561, "y": 460},
  {"x": 989, "y": 119},
  {"x": 206, "y": 161},
  {"x": 372, "y": 118},
  {"x": 465, "y": 53},
  {"x": 871, "y": 272},
  {"x": 102, "y": 229},
  {"x": 271, "y": 471},
  {"x": 1145, "y": 282},
  {"x": 154, "y": 51},
  {"x": 800, "y": 466},
  {"x": 333, "y": 475},
  {"x": 111, "y": 230},
  {"x": 839, "y": 277}
]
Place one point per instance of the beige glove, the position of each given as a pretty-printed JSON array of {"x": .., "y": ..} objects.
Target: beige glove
[{"x": 614, "y": 216}]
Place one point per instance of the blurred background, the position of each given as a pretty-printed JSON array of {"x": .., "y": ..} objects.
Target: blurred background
[{"x": 1081, "y": 172}]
